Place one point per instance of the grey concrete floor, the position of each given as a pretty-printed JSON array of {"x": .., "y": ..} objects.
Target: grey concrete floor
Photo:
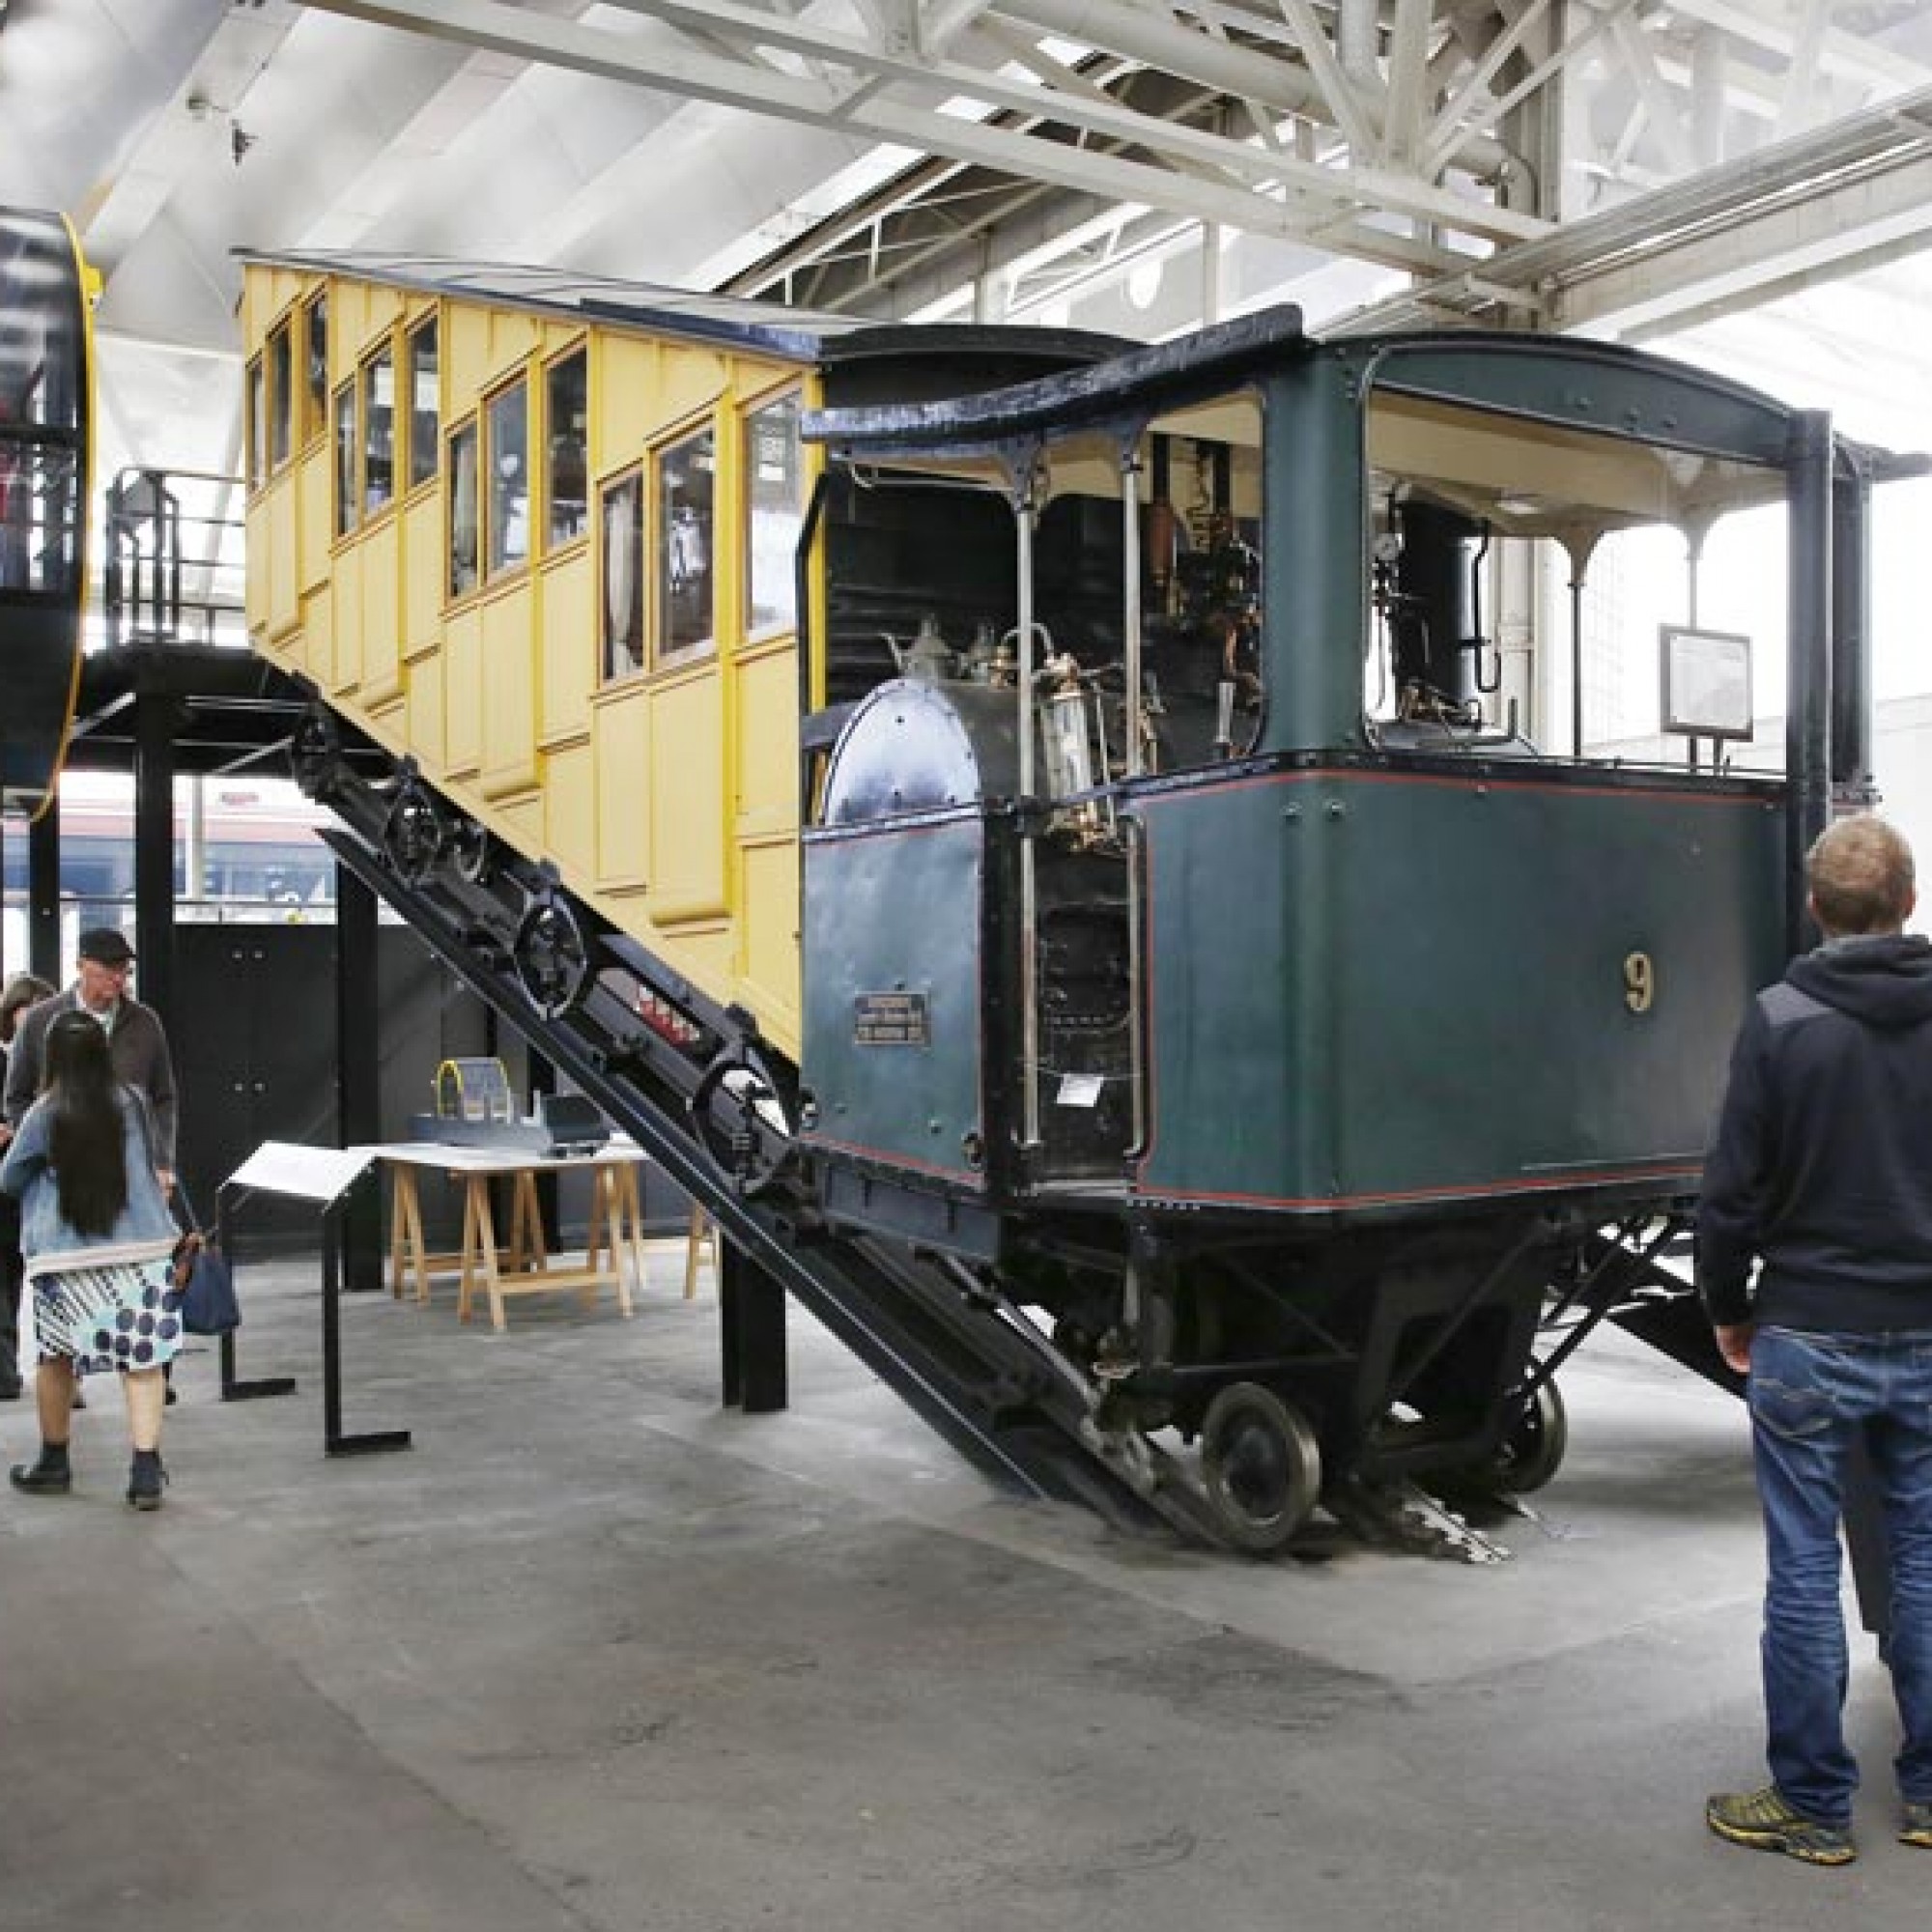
[{"x": 595, "y": 1654}]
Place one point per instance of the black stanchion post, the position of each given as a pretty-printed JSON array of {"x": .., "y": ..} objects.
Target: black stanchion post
[
  {"x": 233, "y": 1388},
  {"x": 333, "y": 1245},
  {"x": 752, "y": 1327}
]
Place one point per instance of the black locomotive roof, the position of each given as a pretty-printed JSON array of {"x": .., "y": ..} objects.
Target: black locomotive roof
[{"x": 800, "y": 335}]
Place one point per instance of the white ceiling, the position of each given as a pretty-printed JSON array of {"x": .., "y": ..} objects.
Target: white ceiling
[{"x": 1130, "y": 165}]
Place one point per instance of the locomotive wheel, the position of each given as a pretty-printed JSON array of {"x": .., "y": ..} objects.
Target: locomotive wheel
[
  {"x": 1262, "y": 1467},
  {"x": 472, "y": 854},
  {"x": 315, "y": 752},
  {"x": 1532, "y": 1452},
  {"x": 414, "y": 833},
  {"x": 552, "y": 958},
  {"x": 740, "y": 1111}
]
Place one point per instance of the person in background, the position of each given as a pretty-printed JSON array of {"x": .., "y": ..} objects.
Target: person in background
[
  {"x": 1822, "y": 1168},
  {"x": 21, "y": 991},
  {"x": 137, "y": 1042},
  {"x": 100, "y": 1244}
]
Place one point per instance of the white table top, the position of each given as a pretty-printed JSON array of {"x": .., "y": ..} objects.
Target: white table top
[{"x": 451, "y": 1158}]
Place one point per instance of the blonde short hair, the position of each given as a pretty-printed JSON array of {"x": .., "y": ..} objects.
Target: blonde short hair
[{"x": 1861, "y": 876}]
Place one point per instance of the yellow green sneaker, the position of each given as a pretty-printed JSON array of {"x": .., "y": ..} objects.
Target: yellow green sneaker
[
  {"x": 1915, "y": 1823},
  {"x": 1767, "y": 1823}
]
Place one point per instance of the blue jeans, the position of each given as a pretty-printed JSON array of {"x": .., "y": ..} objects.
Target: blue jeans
[{"x": 1809, "y": 1396}]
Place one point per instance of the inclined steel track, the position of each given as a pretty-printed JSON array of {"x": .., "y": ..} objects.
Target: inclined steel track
[{"x": 970, "y": 1365}]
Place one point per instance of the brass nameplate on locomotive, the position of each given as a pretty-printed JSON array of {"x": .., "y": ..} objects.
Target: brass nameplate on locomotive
[{"x": 890, "y": 1019}]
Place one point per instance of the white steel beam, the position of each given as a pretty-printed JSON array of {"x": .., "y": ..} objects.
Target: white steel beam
[{"x": 501, "y": 28}]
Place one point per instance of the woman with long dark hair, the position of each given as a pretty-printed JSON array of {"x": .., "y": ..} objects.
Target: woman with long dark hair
[{"x": 99, "y": 1239}]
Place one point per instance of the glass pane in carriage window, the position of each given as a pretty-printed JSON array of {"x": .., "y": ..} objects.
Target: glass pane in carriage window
[
  {"x": 773, "y": 468},
  {"x": 315, "y": 368},
  {"x": 344, "y": 460},
  {"x": 425, "y": 406},
  {"x": 463, "y": 510},
  {"x": 622, "y": 527},
  {"x": 686, "y": 473},
  {"x": 258, "y": 426},
  {"x": 567, "y": 419},
  {"x": 508, "y": 479},
  {"x": 379, "y": 432},
  {"x": 281, "y": 398}
]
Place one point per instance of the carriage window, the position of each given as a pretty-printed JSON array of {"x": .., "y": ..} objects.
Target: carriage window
[
  {"x": 424, "y": 402},
  {"x": 566, "y": 420},
  {"x": 344, "y": 460},
  {"x": 771, "y": 470},
  {"x": 258, "y": 427},
  {"x": 507, "y": 479},
  {"x": 685, "y": 475},
  {"x": 281, "y": 398},
  {"x": 621, "y": 528},
  {"x": 463, "y": 510},
  {"x": 379, "y": 432},
  {"x": 315, "y": 369}
]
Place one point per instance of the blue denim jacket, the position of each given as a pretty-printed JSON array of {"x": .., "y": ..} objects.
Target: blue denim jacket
[{"x": 28, "y": 1175}]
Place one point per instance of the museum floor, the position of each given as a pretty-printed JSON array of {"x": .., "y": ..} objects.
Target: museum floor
[{"x": 596, "y": 1655}]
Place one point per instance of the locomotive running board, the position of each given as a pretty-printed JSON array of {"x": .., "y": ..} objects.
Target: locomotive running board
[{"x": 965, "y": 1370}]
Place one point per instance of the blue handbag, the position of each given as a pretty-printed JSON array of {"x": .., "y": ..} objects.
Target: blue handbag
[{"x": 204, "y": 1281}]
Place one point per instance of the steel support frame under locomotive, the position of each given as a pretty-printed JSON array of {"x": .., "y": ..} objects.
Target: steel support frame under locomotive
[{"x": 1275, "y": 1226}]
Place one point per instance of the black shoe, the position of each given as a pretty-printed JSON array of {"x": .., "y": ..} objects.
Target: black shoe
[
  {"x": 10, "y": 1388},
  {"x": 172, "y": 1396},
  {"x": 79, "y": 1401},
  {"x": 42, "y": 1478},
  {"x": 145, "y": 1483},
  {"x": 1765, "y": 1821}
]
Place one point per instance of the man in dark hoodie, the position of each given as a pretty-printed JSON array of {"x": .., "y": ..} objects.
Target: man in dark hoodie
[{"x": 1822, "y": 1170}]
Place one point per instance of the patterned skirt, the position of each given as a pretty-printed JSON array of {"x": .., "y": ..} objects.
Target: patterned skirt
[{"x": 107, "y": 1308}]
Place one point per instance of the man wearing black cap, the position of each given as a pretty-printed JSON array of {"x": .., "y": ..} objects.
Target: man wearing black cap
[{"x": 135, "y": 1041}]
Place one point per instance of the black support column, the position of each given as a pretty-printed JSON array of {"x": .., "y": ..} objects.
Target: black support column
[
  {"x": 155, "y": 850},
  {"x": 44, "y": 935},
  {"x": 357, "y": 1072},
  {"x": 752, "y": 1327}
]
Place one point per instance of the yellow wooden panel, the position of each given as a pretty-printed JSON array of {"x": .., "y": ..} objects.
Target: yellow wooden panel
[
  {"x": 568, "y": 646},
  {"x": 767, "y": 724},
  {"x": 312, "y": 483},
  {"x": 622, "y": 748},
  {"x": 382, "y": 612},
  {"x": 421, "y": 567},
  {"x": 348, "y": 308},
  {"x": 768, "y": 923},
  {"x": 690, "y": 380},
  {"x": 424, "y": 714},
  {"x": 623, "y": 401},
  {"x": 462, "y": 689},
  {"x": 570, "y": 811},
  {"x": 687, "y": 800},
  {"x": 465, "y": 355},
  {"x": 381, "y": 311},
  {"x": 345, "y": 666},
  {"x": 512, "y": 338},
  {"x": 255, "y": 588},
  {"x": 318, "y": 634},
  {"x": 283, "y": 608},
  {"x": 509, "y": 692},
  {"x": 522, "y": 822}
]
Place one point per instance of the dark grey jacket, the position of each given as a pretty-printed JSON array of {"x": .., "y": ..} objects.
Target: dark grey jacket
[{"x": 137, "y": 1046}]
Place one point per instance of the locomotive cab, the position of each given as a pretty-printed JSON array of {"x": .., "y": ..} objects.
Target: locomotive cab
[{"x": 1278, "y": 926}]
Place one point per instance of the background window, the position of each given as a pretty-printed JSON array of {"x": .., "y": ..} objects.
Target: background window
[
  {"x": 425, "y": 407},
  {"x": 345, "y": 459},
  {"x": 771, "y": 469},
  {"x": 685, "y": 474},
  {"x": 462, "y": 511},
  {"x": 509, "y": 480},
  {"x": 566, "y": 416},
  {"x": 623, "y": 527},
  {"x": 281, "y": 398},
  {"x": 315, "y": 368},
  {"x": 379, "y": 432},
  {"x": 258, "y": 427}
]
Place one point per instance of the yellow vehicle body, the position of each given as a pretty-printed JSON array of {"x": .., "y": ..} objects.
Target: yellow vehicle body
[{"x": 666, "y": 797}]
